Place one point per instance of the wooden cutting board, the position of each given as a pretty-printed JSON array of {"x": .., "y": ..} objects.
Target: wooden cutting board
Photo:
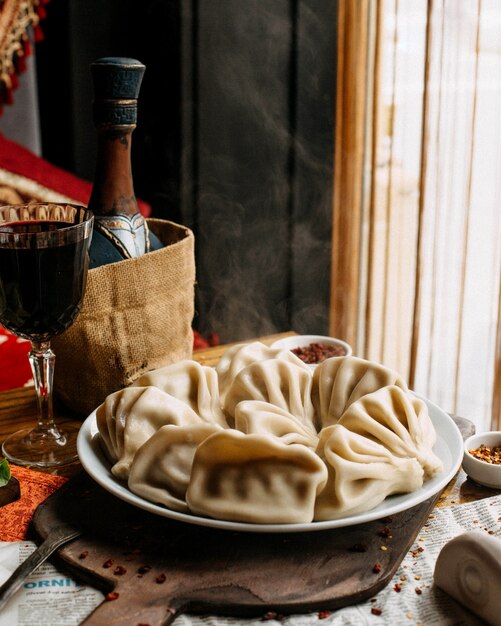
[
  {"x": 155, "y": 569},
  {"x": 160, "y": 568}
]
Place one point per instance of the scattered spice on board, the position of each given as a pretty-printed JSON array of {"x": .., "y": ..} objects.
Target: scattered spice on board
[
  {"x": 397, "y": 588},
  {"x": 376, "y": 611},
  {"x": 120, "y": 570},
  {"x": 324, "y": 614},
  {"x": 83, "y": 554},
  {"x": 113, "y": 595},
  {"x": 108, "y": 563},
  {"x": 161, "y": 578},
  {"x": 385, "y": 532},
  {"x": 144, "y": 569},
  {"x": 487, "y": 453},
  {"x": 377, "y": 568},
  {"x": 270, "y": 615},
  {"x": 418, "y": 590}
]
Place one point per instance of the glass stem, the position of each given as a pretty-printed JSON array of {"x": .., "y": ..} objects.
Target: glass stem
[{"x": 42, "y": 361}]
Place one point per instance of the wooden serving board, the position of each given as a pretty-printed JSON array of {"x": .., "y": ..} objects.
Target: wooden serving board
[{"x": 159, "y": 568}]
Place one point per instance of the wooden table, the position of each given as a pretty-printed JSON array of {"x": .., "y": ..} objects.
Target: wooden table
[{"x": 18, "y": 410}]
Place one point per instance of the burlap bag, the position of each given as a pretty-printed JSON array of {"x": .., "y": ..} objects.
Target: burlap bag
[{"x": 136, "y": 316}]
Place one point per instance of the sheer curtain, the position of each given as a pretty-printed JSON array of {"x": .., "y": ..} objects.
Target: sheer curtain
[{"x": 427, "y": 259}]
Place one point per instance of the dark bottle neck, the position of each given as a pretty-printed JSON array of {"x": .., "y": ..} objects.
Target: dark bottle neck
[{"x": 113, "y": 189}]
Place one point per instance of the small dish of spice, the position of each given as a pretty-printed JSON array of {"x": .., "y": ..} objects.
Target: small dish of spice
[
  {"x": 313, "y": 349},
  {"x": 482, "y": 458}
]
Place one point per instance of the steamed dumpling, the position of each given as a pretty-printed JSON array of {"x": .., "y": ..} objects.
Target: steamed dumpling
[
  {"x": 254, "y": 417},
  {"x": 340, "y": 381},
  {"x": 192, "y": 383},
  {"x": 161, "y": 469},
  {"x": 362, "y": 473},
  {"x": 129, "y": 417},
  {"x": 397, "y": 420},
  {"x": 254, "y": 478},
  {"x": 241, "y": 355},
  {"x": 284, "y": 384}
]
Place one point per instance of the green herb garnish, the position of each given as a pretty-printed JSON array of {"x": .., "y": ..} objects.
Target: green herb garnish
[{"x": 4, "y": 472}]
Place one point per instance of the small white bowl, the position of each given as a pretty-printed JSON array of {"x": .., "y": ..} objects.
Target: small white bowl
[
  {"x": 487, "y": 474},
  {"x": 301, "y": 341}
]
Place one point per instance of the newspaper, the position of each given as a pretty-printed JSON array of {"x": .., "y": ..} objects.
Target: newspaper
[
  {"x": 48, "y": 598},
  {"x": 410, "y": 599}
]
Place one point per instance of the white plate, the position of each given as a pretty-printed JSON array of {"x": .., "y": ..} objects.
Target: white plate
[{"x": 449, "y": 448}]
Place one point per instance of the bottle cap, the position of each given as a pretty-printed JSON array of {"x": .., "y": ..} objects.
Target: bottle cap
[{"x": 116, "y": 81}]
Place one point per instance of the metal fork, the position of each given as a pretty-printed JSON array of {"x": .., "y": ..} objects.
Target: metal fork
[{"x": 55, "y": 539}]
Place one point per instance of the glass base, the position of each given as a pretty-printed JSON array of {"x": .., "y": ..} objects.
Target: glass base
[{"x": 34, "y": 448}]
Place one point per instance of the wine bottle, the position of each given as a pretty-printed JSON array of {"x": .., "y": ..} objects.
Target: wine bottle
[{"x": 120, "y": 231}]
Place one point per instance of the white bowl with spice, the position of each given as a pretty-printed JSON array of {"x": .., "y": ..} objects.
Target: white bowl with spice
[
  {"x": 482, "y": 458},
  {"x": 313, "y": 349}
]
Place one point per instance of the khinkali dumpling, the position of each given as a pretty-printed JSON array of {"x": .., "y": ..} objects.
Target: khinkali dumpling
[
  {"x": 254, "y": 417},
  {"x": 397, "y": 420},
  {"x": 129, "y": 417},
  {"x": 362, "y": 473},
  {"x": 254, "y": 478},
  {"x": 192, "y": 383},
  {"x": 284, "y": 384},
  {"x": 241, "y": 355},
  {"x": 340, "y": 381},
  {"x": 161, "y": 469}
]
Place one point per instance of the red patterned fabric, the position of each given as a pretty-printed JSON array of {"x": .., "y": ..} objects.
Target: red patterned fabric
[
  {"x": 35, "y": 487},
  {"x": 16, "y": 17}
]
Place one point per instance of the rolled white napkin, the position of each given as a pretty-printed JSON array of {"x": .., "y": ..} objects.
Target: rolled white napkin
[{"x": 468, "y": 568}]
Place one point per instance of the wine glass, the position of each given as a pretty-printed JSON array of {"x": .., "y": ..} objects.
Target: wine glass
[{"x": 43, "y": 271}]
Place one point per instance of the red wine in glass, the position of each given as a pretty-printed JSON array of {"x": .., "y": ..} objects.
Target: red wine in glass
[{"x": 43, "y": 269}]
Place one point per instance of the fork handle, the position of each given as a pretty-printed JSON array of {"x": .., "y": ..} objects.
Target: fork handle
[{"x": 54, "y": 540}]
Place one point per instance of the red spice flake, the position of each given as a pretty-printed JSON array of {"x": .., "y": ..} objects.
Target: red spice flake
[
  {"x": 488, "y": 454},
  {"x": 385, "y": 532},
  {"x": 420, "y": 549},
  {"x": 113, "y": 595},
  {"x": 418, "y": 590},
  {"x": 161, "y": 578},
  {"x": 359, "y": 547},
  {"x": 377, "y": 568},
  {"x": 108, "y": 563},
  {"x": 144, "y": 569},
  {"x": 324, "y": 614},
  {"x": 120, "y": 570},
  {"x": 270, "y": 615},
  {"x": 143, "y": 624},
  {"x": 397, "y": 588},
  {"x": 376, "y": 611},
  {"x": 84, "y": 554}
]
